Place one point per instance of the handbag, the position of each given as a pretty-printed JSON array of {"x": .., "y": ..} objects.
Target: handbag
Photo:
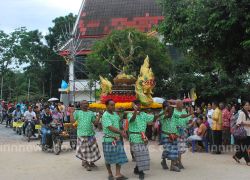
[{"x": 240, "y": 132}]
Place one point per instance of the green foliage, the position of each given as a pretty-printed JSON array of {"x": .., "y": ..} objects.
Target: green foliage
[
  {"x": 39, "y": 62},
  {"x": 214, "y": 37},
  {"x": 59, "y": 33},
  {"x": 56, "y": 68},
  {"x": 210, "y": 30},
  {"x": 128, "y": 48}
]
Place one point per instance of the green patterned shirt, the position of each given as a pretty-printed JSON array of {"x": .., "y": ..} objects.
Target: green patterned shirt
[
  {"x": 168, "y": 125},
  {"x": 85, "y": 121},
  {"x": 107, "y": 121},
  {"x": 180, "y": 122},
  {"x": 138, "y": 125}
]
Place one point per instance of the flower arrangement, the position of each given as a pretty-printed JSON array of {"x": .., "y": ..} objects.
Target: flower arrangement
[{"x": 126, "y": 106}]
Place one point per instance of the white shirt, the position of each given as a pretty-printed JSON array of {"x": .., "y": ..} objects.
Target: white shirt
[
  {"x": 242, "y": 118},
  {"x": 209, "y": 117},
  {"x": 30, "y": 115}
]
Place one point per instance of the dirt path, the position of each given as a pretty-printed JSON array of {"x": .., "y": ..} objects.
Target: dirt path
[{"x": 25, "y": 161}]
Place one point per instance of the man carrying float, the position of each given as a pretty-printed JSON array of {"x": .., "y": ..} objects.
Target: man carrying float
[
  {"x": 127, "y": 93},
  {"x": 87, "y": 147}
]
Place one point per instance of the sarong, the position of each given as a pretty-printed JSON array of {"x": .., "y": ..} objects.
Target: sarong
[
  {"x": 170, "y": 149},
  {"x": 182, "y": 140},
  {"x": 87, "y": 151},
  {"x": 142, "y": 158},
  {"x": 114, "y": 154}
]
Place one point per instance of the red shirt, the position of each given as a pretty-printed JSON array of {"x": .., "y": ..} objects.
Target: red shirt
[{"x": 226, "y": 116}]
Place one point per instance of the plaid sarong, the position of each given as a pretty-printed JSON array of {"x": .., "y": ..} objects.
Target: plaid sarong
[
  {"x": 87, "y": 151},
  {"x": 170, "y": 149},
  {"x": 142, "y": 158},
  {"x": 182, "y": 140},
  {"x": 114, "y": 154}
]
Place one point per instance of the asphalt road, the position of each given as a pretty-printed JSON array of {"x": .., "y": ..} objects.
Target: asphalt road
[{"x": 25, "y": 161}]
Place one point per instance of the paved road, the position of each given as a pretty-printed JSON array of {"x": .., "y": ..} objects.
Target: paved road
[{"x": 25, "y": 161}]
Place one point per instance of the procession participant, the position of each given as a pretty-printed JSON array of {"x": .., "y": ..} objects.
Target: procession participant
[
  {"x": 87, "y": 147},
  {"x": 243, "y": 144},
  {"x": 113, "y": 147},
  {"x": 181, "y": 117},
  {"x": 169, "y": 138},
  {"x": 46, "y": 120},
  {"x": 62, "y": 110},
  {"x": 217, "y": 128},
  {"x": 29, "y": 115},
  {"x": 137, "y": 127},
  {"x": 17, "y": 114},
  {"x": 69, "y": 113},
  {"x": 10, "y": 111},
  {"x": 57, "y": 115},
  {"x": 226, "y": 116},
  {"x": 38, "y": 113}
]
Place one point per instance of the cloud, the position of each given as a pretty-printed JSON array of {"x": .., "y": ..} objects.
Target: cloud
[{"x": 34, "y": 14}]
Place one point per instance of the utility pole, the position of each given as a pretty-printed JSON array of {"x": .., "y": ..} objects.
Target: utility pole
[
  {"x": 29, "y": 90},
  {"x": 2, "y": 87}
]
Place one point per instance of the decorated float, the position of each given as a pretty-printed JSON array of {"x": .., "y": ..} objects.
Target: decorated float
[{"x": 126, "y": 88}]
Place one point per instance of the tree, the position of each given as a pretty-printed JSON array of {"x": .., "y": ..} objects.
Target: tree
[
  {"x": 210, "y": 30},
  {"x": 214, "y": 37},
  {"x": 125, "y": 50},
  {"x": 60, "y": 32},
  {"x": 21, "y": 48},
  {"x": 56, "y": 68}
]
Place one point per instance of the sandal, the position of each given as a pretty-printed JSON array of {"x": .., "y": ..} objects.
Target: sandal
[
  {"x": 164, "y": 165},
  {"x": 180, "y": 166},
  {"x": 88, "y": 168},
  {"x": 111, "y": 178},
  {"x": 83, "y": 165},
  {"x": 93, "y": 165},
  {"x": 236, "y": 159},
  {"x": 121, "y": 178},
  {"x": 175, "y": 169}
]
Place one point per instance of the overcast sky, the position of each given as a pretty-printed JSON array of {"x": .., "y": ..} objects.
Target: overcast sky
[{"x": 34, "y": 14}]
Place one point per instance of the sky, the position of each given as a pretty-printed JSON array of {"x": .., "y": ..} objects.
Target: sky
[{"x": 34, "y": 14}]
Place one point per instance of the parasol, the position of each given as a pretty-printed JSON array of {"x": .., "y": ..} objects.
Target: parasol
[
  {"x": 158, "y": 100},
  {"x": 53, "y": 99},
  {"x": 187, "y": 100}
]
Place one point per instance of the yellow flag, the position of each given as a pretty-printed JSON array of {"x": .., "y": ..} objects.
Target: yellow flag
[{"x": 193, "y": 94}]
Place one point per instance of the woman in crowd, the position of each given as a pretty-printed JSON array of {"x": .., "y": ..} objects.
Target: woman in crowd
[
  {"x": 199, "y": 132},
  {"x": 243, "y": 144},
  {"x": 226, "y": 116},
  {"x": 57, "y": 115}
]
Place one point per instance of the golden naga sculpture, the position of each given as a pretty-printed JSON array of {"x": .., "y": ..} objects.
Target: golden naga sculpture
[
  {"x": 145, "y": 84},
  {"x": 106, "y": 86}
]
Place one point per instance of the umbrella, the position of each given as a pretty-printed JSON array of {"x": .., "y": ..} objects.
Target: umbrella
[
  {"x": 53, "y": 99},
  {"x": 187, "y": 100},
  {"x": 158, "y": 100}
]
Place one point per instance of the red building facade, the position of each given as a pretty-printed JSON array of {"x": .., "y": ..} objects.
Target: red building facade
[{"x": 97, "y": 18}]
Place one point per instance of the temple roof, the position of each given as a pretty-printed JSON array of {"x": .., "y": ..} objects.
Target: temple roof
[{"x": 98, "y": 18}]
